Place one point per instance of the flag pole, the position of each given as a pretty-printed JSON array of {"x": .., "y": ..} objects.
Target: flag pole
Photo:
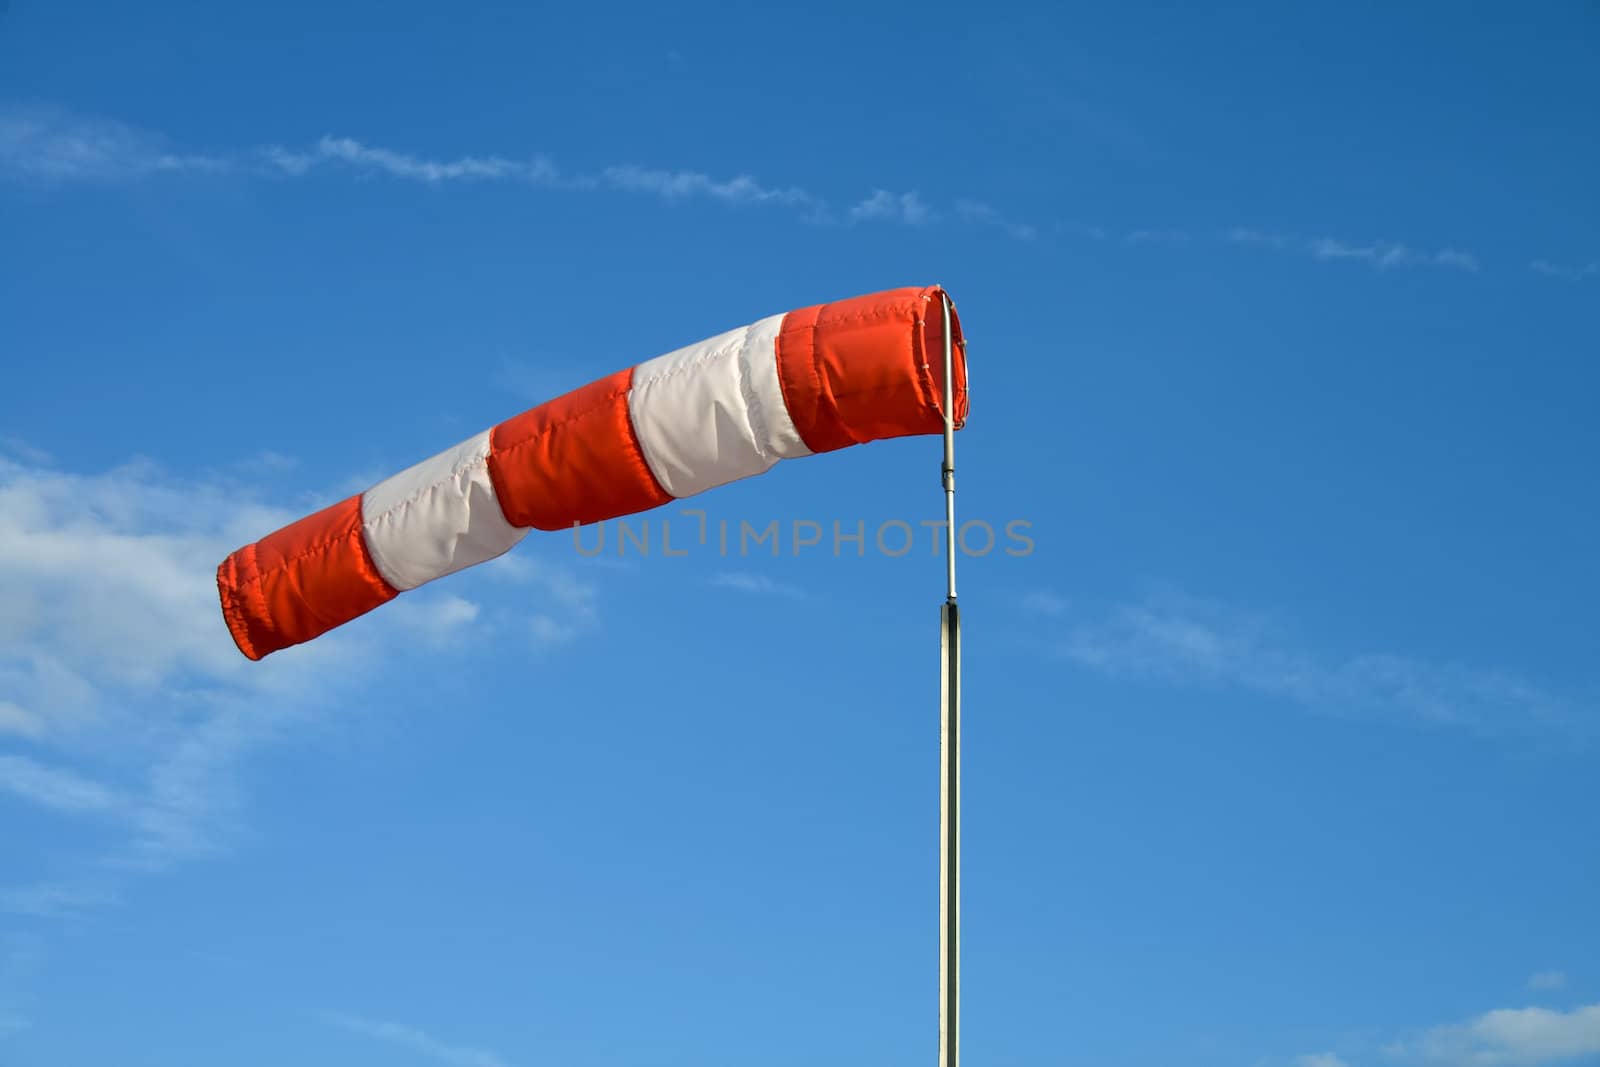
[{"x": 949, "y": 740}]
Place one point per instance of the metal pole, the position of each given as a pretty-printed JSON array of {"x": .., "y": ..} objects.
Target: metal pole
[
  {"x": 949, "y": 742},
  {"x": 948, "y": 469}
]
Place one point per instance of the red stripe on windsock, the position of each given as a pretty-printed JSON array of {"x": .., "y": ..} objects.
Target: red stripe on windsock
[
  {"x": 869, "y": 368},
  {"x": 575, "y": 459},
  {"x": 302, "y": 581}
]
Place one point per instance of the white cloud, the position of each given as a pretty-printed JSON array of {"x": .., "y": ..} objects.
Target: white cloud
[
  {"x": 980, "y": 213},
  {"x": 56, "y": 899},
  {"x": 570, "y": 601},
  {"x": 550, "y": 631},
  {"x": 1382, "y": 255},
  {"x": 1319, "y": 1059},
  {"x": 745, "y": 582},
  {"x": 116, "y": 666},
  {"x": 49, "y": 145},
  {"x": 682, "y": 184},
  {"x": 1043, "y": 602},
  {"x": 1452, "y": 257},
  {"x": 1079, "y": 229},
  {"x": 54, "y": 787},
  {"x": 436, "y": 619},
  {"x": 1386, "y": 254},
  {"x": 418, "y": 1041},
  {"x": 54, "y": 146},
  {"x": 1243, "y": 235},
  {"x": 349, "y": 151},
  {"x": 19, "y": 957},
  {"x": 1514, "y": 1037},
  {"x": 1565, "y": 273},
  {"x": 628, "y": 177},
  {"x": 1184, "y": 640},
  {"x": 1547, "y": 980},
  {"x": 884, "y": 206},
  {"x": 25, "y": 452},
  {"x": 112, "y": 649},
  {"x": 265, "y": 463},
  {"x": 1163, "y": 237},
  {"x": 100, "y": 587},
  {"x": 20, "y": 721},
  {"x": 294, "y": 164}
]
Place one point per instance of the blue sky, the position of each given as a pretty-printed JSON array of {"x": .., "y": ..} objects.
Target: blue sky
[{"x": 1280, "y": 742}]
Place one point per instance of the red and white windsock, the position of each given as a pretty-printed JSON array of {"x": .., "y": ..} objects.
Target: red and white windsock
[{"x": 792, "y": 385}]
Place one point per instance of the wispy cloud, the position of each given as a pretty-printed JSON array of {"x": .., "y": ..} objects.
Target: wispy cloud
[
  {"x": 22, "y": 450},
  {"x": 352, "y": 153},
  {"x": 418, "y": 1041},
  {"x": 19, "y": 721},
  {"x": 982, "y": 214},
  {"x": 54, "y": 787},
  {"x": 438, "y": 619},
  {"x": 1564, "y": 273},
  {"x": 569, "y": 600},
  {"x": 1180, "y": 640},
  {"x": 1547, "y": 980},
  {"x": 683, "y": 184},
  {"x": 1385, "y": 254},
  {"x": 1082, "y": 230},
  {"x": 49, "y": 145},
  {"x": 1042, "y": 602},
  {"x": 1156, "y": 237},
  {"x": 1243, "y": 235},
  {"x": 669, "y": 185},
  {"x": 19, "y": 956},
  {"x": 53, "y": 146},
  {"x": 548, "y": 630},
  {"x": 884, "y": 206},
  {"x": 1513, "y": 1037},
  {"x": 745, "y": 582},
  {"x": 1381, "y": 255},
  {"x": 1319, "y": 1059},
  {"x": 57, "y": 899}
]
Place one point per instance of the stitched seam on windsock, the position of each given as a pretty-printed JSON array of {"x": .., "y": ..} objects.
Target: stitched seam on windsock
[
  {"x": 755, "y": 419},
  {"x": 760, "y": 363},
  {"x": 734, "y": 339},
  {"x": 235, "y": 611},
  {"x": 501, "y": 453},
  {"x": 449, "y": 506},
  {"x": 888, "y": 311},
  {"x": 634, "y": 442},
  {"x": 321, "y": 548},
  {"x": 640, "y": 388},
  {"x": 416, "y": 496},
  {"x": 599, "y": 407},
  {"x": 810, "y": 366}
]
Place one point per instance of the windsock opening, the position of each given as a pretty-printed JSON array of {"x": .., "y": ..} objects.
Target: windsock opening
[
  {"x": 870, "y": 368},
  {"x": 933, "y": 355},
  {"x": 730, "y": 407}
]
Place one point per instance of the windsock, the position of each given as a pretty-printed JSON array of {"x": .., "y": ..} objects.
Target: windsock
[{"x": 792, "y": 385}]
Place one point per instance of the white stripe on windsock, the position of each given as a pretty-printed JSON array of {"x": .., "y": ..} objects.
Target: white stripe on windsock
[
  {"x": 713, "y": 412},
  {"x": 437, "y": 517}
]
